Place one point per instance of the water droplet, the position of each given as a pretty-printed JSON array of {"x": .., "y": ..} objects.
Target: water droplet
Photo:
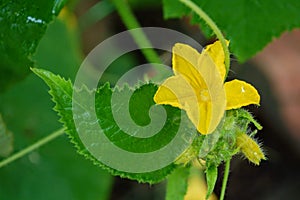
[
  {"x": 34, "y": 20},
  {"x": 243, "y": 89}
]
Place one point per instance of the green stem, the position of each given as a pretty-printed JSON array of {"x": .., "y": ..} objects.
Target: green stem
[
  {"x": 32, "y": 147},
  {"x": 139, "y": 36},
  {"x": 225, "y": 179},
  {"x": 96, "y": 13},
  {"x": 214, "y": 27}
]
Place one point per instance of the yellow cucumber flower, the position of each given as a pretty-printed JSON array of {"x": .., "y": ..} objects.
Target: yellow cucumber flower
[{"x": 198, "y": 86}]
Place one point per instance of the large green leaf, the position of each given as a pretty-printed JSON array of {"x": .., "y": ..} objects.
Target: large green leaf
[
  {"x": 62, "y": 91},
  {"x": 249, "y": 25},
  {"x": 22, "y": 25}
]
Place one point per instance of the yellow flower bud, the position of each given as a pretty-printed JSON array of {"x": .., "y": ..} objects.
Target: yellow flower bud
[{"x": 250, "y": 148}]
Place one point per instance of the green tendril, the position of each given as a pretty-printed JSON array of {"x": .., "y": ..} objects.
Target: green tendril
[{"x": 32, "y": 147}]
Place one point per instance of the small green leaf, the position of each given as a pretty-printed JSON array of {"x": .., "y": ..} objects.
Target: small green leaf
[
  {"x": 22, "y": 25},
  {"x": 251, "y": 26},
  {"x": 6, "y": 140},
  {"x": 211, "y": 178},
  {"x": 61, "y": 91},
  {"x": 177, "y": 183}
]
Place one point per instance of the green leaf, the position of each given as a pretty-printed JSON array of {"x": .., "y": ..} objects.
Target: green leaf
[
  {"x": 6, "y": 140},
  {"x": 62, "y": 91},
  {"x": 249, "y": 25},
  {"x": 177, "y": 183},
  {"x": 22, "y": 25},
  {"x": 211, "y": 178}
]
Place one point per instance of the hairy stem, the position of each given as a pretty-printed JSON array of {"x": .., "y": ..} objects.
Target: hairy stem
[
  {"x": 225, "y": 179},
  {"x": 32, "y": 147},
  {"x": 214, "y": 27}
]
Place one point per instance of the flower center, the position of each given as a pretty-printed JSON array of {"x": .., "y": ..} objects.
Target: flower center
[{"x": 204, "y": 94}]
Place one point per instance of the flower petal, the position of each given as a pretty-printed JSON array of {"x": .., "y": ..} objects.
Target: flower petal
[
  {"x": 200, "y": 115},
  {"x": 184, "y": 62},
  {"x": 212, "y": 108},
  {"x": 176, "y": 91},
  {"x": 240, "y": 93},
  {"x": 197, "y": 88},
  {"x": 216, "y": 53}
]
